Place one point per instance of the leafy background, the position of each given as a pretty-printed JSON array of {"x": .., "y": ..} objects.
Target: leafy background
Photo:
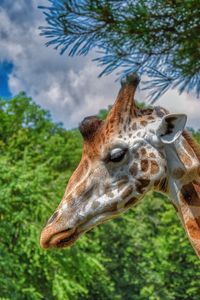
[{"x": 143, "y": 254}]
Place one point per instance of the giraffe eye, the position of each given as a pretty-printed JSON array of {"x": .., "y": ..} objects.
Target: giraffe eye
[{"x": 116, "y": 155}]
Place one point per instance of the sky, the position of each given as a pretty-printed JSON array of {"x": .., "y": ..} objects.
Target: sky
[{"x": 68, "y": 87}]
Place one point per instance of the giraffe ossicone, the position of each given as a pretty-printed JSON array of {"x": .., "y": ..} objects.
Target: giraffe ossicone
[{"x": 128, "y": 154}]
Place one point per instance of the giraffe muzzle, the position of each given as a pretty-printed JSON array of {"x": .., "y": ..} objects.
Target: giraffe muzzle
[
  {"x": 54, "y": 237},
  {"x": 51, "y": 239}
]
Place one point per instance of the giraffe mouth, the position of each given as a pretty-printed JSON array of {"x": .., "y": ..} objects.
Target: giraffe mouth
[
  {"x": 63, "y": 239},
  {"x": 60, "y": 239}
]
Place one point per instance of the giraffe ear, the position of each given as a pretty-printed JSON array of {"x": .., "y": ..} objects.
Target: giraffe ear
[
  {"x": 171, "y": 127},
  {"x": 89, "y": 126}
]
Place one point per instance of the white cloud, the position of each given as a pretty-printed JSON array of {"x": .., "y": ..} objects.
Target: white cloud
[{"x": 68, "y": 87}]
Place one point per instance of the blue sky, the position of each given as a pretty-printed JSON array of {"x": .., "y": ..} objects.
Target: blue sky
[
  {"x": 68, "y": 87},
  {"x": 5, "y": 69}
]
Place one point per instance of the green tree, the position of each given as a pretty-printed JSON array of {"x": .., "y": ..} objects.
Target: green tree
[
  {"x": 155, "y": 38},
  {"x": 36, "y": 159}
]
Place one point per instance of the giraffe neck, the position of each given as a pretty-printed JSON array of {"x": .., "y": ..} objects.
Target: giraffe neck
[{"x": 184, "y": 188}]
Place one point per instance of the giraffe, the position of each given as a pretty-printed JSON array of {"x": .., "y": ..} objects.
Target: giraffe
[{"x": 128, "y": 154}]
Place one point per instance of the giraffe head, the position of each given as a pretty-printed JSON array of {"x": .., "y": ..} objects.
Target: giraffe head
[{"x": 123, "y": 158}]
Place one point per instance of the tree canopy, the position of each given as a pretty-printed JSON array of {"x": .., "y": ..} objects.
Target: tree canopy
[
  {"x": 159, "y": 39},
  {"x": 144, "y": 254}
]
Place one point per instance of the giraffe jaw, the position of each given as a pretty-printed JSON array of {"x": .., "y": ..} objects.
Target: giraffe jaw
[{"x": 67, "y": 238}]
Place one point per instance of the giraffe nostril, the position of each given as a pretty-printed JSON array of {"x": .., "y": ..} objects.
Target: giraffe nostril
[{"x": 52, "y": 218}]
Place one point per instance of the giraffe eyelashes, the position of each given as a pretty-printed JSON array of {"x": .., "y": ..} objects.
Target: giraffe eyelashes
[{"x": 117, "y": 155}]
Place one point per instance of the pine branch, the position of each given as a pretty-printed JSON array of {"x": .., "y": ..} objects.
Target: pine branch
[{"x": 154, "y": 38}]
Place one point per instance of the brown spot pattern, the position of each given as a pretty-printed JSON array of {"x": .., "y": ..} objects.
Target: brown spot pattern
[
  {"x": 188, "y": 148},
  {"x": 111, "y": 207},
  {"x": 143, "y": 123},
  {"x": 178, "y": 173},
  {"x": 130, "y": 202},
  {"x": 193, "y": 226},
  {"x": 81, "y": 189},
  {"x": 152, "y": 155},
  {"x": 190, "y": 194},
  {"x": 141, "y": 184},
  {"x": 150, "y": 118},
  {"x": 108, "y": 191},
  {"x": 163, "y": 185},
  {"x": 154, "y": 167},
  {"x": 134, "y": 169},
  {"x": 185, "y": 159},
  {"x": 143, "y": 151},
  {"x": 90, "y": 192},
  {"x": 195, "y": 146},
  {"x": 127, "y": 192},
  {"x": 157, "y": 183},
  {"x": 144, "y": 165}
]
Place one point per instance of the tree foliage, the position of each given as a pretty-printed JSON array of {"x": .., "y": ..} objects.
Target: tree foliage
[
  {"x": 141, "y": 255},
  {"x": 156, "y": 38}
]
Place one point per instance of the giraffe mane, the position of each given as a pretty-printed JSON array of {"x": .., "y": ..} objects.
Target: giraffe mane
[{"x": 193, "y": 144}]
